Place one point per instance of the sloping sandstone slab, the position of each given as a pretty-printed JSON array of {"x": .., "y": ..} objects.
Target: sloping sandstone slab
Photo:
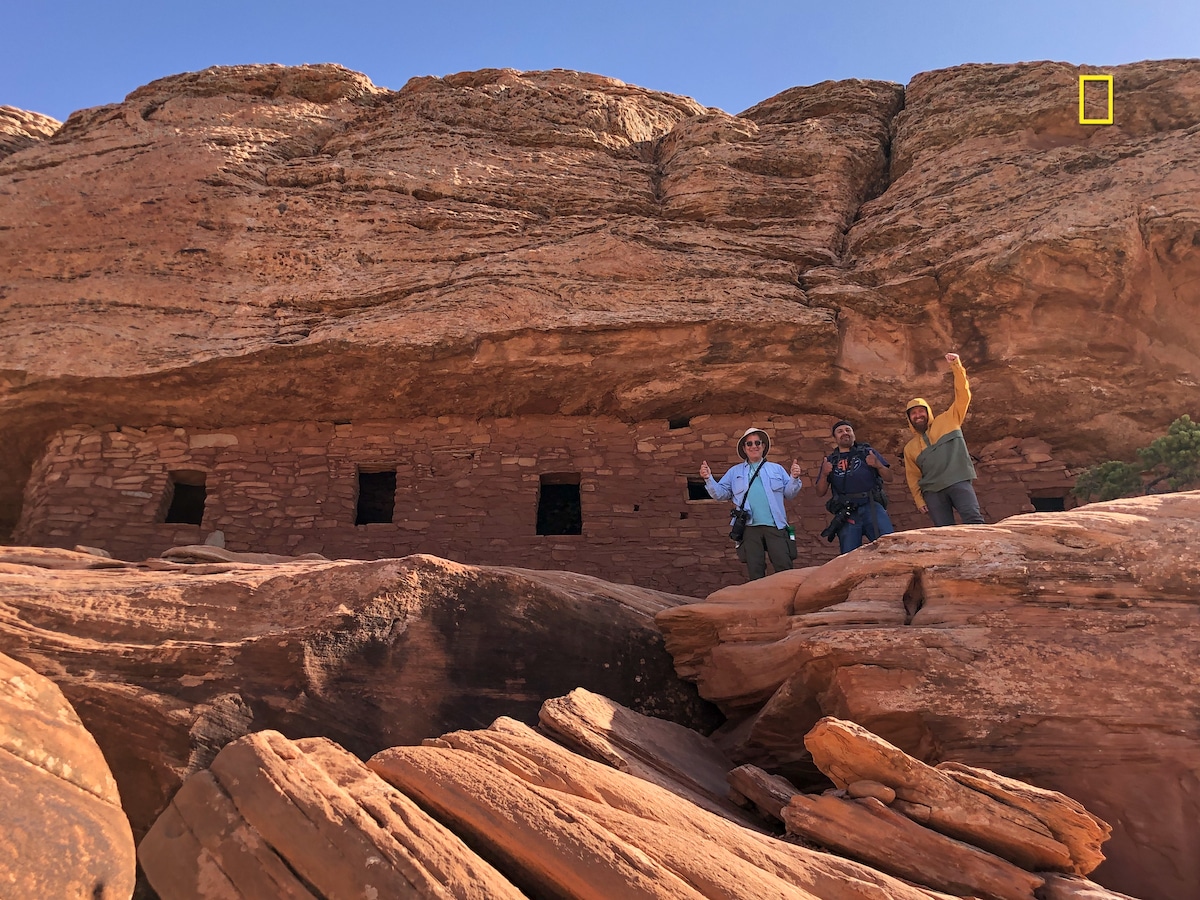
[
  {"x": 1053, "y": 648},
  {"x": 661, "y": 752},
  {"x": 867, "y": 830},
  {"x": 62, "y": 830},
  {"x": 554, "y": 818},
  {"x": 274, "y": 819}
]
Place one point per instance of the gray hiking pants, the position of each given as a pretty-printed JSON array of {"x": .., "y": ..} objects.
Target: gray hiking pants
[{"x": 960, "y": 496}]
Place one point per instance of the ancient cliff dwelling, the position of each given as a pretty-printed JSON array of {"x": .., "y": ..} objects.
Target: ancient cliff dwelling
[{"x": 590, "y": 494}]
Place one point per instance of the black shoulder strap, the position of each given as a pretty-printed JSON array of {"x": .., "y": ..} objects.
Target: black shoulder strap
[{"x": 746, "y": 496}]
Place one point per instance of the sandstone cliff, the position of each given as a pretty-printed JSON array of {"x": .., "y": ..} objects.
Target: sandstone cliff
[
  {"x": 20, "y": 129},
  {"x": 258, "y": 244}
]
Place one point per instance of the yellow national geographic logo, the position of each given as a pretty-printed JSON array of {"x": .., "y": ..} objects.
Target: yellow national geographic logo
[{"x": 1105, "y": 79}]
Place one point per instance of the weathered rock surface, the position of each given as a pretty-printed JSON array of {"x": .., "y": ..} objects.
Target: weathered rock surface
[
  {"x": 62, "y": 830},
  {"x": 867, "y": 830},
  {"x": 661, "y": 752},
  {"x": 978, "y": 834},
  {"x": 496, "y": 243},
  {"x": 272, "y": 819},
  {"x": 1054, "y": 648},
  {"x": 20, "y": 128},
  {"x": 1035, "y": 829},
  {"x": 167, "y": 665},
  {"x": 576, "y": 828}
]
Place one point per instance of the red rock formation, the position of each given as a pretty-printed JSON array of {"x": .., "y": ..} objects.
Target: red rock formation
[
  {"x": 166, "y": 667},
  {"x": 260, "y": 244},
  {"x": 62, "y": 831},
  {"x": 20, "y": 129},
  {"x": 275, "y": 818},
  {"x": 1053, "y": 648}
]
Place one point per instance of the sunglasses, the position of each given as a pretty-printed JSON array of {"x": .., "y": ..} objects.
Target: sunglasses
[{"x": 754, "y": 443}]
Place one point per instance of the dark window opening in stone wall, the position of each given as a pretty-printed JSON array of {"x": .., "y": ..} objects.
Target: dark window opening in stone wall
[
  {"x": 1048, "y": 504},
  {"x": 679, "y": 422},
  {"x": 187, "y": 493},
  {"x": 376, "y": 497},
  {"x": 697, "y": 490},
  {"x": 559, "y": 510}
]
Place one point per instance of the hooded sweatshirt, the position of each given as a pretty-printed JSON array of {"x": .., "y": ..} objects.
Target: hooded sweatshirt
[{"x": 939, "y": 458}]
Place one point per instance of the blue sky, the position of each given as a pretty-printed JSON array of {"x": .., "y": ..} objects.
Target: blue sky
[{"x": 63, "y": 56}]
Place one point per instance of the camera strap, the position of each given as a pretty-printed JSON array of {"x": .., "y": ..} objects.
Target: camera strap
[{"x": 746, "y": 496}]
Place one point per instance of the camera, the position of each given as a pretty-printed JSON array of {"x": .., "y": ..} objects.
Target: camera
[
  {"x": 841, "y": 515},
  {"x": 737, "y": 528}
]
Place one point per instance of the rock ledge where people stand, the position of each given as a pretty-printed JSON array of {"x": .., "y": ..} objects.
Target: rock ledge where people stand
[{"x": 1050, "y": 647}]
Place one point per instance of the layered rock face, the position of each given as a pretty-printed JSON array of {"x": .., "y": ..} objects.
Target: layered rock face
[
  {"x": 260, "y": 244},
  {"x": 1054, "y": 648},
  {"x": 166, "y": 666}
]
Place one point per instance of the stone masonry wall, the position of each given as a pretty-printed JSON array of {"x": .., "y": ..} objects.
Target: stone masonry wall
[{"x": 467, "y": 490}]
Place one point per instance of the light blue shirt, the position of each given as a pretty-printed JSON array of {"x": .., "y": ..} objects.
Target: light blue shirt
[
  {"x": 757, "y": 502},
  {"x": 777, "y": 486}
]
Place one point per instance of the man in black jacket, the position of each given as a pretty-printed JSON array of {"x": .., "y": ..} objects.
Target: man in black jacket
[{"x": 855, "y": 471}]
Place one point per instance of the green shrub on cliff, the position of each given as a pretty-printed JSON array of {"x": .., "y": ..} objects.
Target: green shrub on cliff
[{"x": 1172, "y": 460}]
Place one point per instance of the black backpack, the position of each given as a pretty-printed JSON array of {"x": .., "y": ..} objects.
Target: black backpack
[{"x": 878, "y": 493}]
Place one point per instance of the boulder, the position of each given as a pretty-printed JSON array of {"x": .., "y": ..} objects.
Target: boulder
[{"x": 62, "y": 830}]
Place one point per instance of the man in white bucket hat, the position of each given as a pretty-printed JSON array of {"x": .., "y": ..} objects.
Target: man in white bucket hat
[{"x": 759, "y": 488}]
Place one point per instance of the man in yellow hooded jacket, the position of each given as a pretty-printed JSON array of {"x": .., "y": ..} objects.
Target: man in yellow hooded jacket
[{"x": 936, "y": 461}]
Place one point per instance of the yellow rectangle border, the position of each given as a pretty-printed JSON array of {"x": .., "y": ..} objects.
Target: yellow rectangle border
[{"x": 1084, "y": 79}]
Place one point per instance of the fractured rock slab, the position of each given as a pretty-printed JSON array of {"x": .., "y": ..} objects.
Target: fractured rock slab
[
  {"x": 273, "y": 818},
  {"x": 166, "y": 667},
  {"x": 849, "y": 753}
]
